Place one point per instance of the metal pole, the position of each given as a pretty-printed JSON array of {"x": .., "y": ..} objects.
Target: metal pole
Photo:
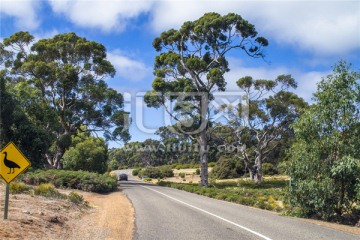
[{"x": 6, "y": 208}]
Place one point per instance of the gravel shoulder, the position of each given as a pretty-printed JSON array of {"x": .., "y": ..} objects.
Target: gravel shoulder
[{"x": 110, "y": 216}]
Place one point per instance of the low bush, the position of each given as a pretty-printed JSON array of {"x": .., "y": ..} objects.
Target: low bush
[
  {"x": 19, "y": 187},
  {"x": 151, "y": 172},
  {"x": 82, "y": 180},
  {"x": 197, "y": 172},
  {"x": 157, "y": 172},
  {"x": 48, "y": 190},
  {"x": 227, "y": 168},
  {"x": 182, "y": 175},
  {"x": 211, "y": 164},
  {"x": 166, "y": 171},
  {"x": 179, "y": 166},
  {"x": 75, "y": 198},
  {"x": 136, "y": 171},
  {"x": 269, "y": 169},
  {"x": 246, "y": 192}
]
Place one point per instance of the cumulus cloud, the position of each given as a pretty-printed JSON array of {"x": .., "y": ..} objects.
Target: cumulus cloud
[
  {"x": 106, "y": 15},
  {"x": 323, "y": 28},
  {"x": 24, "y": 12},
  {"x": 306, "y": 80},
  {"x": 127, "y": 68},
  {"x": 320, "y": 27}
]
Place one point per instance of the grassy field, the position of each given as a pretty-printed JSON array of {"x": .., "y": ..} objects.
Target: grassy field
[{"x": 269, "y": 195}]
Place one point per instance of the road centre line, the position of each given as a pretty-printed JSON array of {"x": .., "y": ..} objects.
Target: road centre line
[{"x": 211, "y": 214}]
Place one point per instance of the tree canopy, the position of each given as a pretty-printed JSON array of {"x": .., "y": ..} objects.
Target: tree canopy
[
  {"x": 271, "y": 109},
  {"x": 192, "y": 63},
  {"x": 63, "y": 81},
  {"x": 325, "y": 158}
]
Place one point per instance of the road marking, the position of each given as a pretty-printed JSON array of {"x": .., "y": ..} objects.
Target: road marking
[{"x": 211, "y": 214}]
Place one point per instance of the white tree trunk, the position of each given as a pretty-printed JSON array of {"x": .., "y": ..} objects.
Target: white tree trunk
[{"x": 204, "y": 175}]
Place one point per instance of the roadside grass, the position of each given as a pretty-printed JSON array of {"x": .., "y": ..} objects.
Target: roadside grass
[
  {"x": 82, "y": 180},
  {"x": 268, "y": 195},
  {"x": 46, "y": 190}
]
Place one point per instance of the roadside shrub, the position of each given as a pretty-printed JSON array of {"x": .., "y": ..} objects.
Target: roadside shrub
[
  {"x": 75, "y": 198},
  {"x": 282, "y": 167},
  {"x": 243, "y": 192},
  {"x": 211, "y": 164},
  {"x": 48, "y": 190},
  {"x": 82, "y": 180},
  {"x": 152, "y": 172},
  {"x": 19, "y": 187},
  {"x": 269, "y": 169},
  {"x": 197, "y": 172},
  {"x": 166, "y": 171},
  {"x": 182, "y": 175},
  {"x": 227, "y": 168},
  {"x": 135, "y": 172},
  {"x": 157, "y": 172}
]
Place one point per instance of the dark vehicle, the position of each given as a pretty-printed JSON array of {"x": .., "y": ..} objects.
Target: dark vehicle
[{"x": 123, "y": 176}]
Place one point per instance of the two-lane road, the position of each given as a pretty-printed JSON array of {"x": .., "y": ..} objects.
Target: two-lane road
[{"x": 166, "y": 213}]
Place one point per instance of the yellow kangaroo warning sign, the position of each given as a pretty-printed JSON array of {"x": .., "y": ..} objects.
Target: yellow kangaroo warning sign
[{"x": 12, "y": 162}]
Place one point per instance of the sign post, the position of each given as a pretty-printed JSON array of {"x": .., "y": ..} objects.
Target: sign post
[
  {"x": 12, "y": 163},
  {"x": 6, "y": 207}
]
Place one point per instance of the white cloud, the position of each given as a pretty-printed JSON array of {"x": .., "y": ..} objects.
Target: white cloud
[
  {"x": 324, "y": 28},
  {"x": 127, "y": 68},
  {"x": 46, "y": 34},
  {"x": 306, "y": 80},
  {"x": 320, "y": 27},
  {"x": 105, "y": 15},
  {"x": 24, "y": 12}
]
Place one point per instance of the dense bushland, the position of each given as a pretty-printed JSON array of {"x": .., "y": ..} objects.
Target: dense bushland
[
  {"x": 268, "y": 195},
  {"x": 86, "y": 181}
]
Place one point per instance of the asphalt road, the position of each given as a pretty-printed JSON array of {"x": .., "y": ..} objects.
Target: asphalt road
[{"x": 166, "y": 213}]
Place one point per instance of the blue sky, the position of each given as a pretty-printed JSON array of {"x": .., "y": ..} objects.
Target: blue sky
[{"x": 306, "y": 38}]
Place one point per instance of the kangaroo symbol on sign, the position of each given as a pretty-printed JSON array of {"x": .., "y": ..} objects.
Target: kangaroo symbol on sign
[{"x": 10, "y": 164}]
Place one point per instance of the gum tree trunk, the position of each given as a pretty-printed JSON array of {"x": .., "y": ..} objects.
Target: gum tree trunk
[{"x": 203, "y": 160}]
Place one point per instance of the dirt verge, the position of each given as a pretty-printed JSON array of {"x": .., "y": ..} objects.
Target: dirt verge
[{"x": 109, "y": 216}]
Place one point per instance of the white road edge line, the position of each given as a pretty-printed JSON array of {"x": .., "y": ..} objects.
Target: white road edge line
[{"x": 211, "y": 214}]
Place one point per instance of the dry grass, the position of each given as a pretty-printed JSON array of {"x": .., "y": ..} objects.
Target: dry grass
[{"x": 110, "y": 216}]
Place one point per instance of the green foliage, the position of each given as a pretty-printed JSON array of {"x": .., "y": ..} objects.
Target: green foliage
[
  {"x": 87, "y": 155},
  {"x": 182, "y": 175},
  {"x": 191, "y": 60},
  {"x": 135, "y": 172},
  {"x": 324, "y": 164},
  {"x": 157, "y": 172},
  {"x": 65, "y": 75},
  {"x": 19, "y": 187},
  {"x": 151, "y": 172},
  {"x": 227, "y": 168},
  {"x": 272, "y": 109},
  {"x": 75, "y": 198},
  {"x": 137, "y": 154},
  {"x": 17, "y": 126},
  {"x": 269, "y": 169},
  {"x": 48, "y": 190},
  {"x": 197, "y": 172},
  {"x": 265, "y": 195},
  {"x": 211, "y": 164},
  {"x": 86, "y": 181},
  {"x": 166, "y": 171}
]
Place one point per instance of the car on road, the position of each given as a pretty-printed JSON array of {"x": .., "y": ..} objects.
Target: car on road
[{"x": 123, "y": 176}]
